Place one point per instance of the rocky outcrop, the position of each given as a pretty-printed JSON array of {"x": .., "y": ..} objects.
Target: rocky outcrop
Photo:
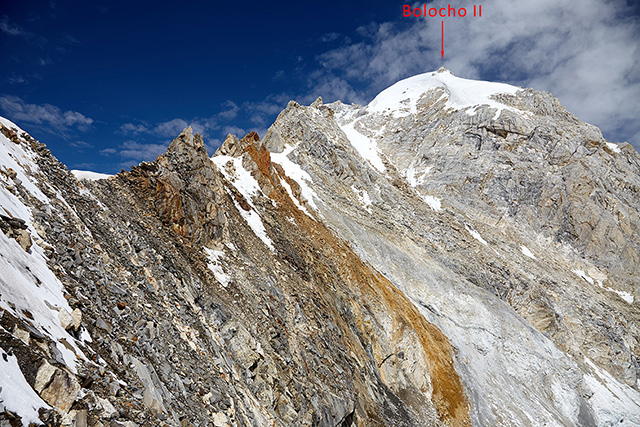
[
  {"x": 16, "y": 229},
  {"x": 190, "y": 207}
]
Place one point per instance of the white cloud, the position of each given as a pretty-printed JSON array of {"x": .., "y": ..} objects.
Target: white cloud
[
  {"x": 329, "y": 37},
  {"x": 16, "y": 79},
  {"x": 135, "y": 152},
  {"x": 80, "y": 144},
  {"x": 73, "y": 118},
  {"x": 212, "y": 145},
  {"x": 12, "y": 29},
  {"x": 263, "y": 112},
  {"x": 230, "y": 112},
  {"x": 234, "y": 130},
  {"x": 171, "y": 128},
  {"x": 49, "y": 115},
  {"x": 108, "y": 151},
  {"x": 174, "y": 127},
  {"x": 585, "y": 53},
  {"x": 131, "y": 128},
  {"x": 139, "y": 151}
]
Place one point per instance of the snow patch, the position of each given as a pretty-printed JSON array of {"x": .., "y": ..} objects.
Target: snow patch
[
  {"x": 255, "y": 222},
  {"x": 241, "y": 178},
  {"x": 433, "y": 202},
  {"x": 31, "y": 287},
  {"x": 363, "y": 197},
  {"x": 629, "y": 298},
  {"x": 401, "y": 99},
  {"x": 13, "y": 156},
  {"x": 613, "y": 147},
  {"x": 216, "y": 266},
  {"x": 16, "y": 394},
  {"x": 85, "y": 336},
  {"x": 9, "y": 124},
  {"x": 525, "y": 250},
  {"x": 476, "y": 235},
  {"x": 624, "y": 295},
  {"x": 91, "y": 176},
  {"x": 584, "y": 275},
  {"x": 366, "y": 147},
  {"x": 295, "y": 172},
  {"x": 247, "y": 185},
  {"x": 287, "y": 187},
  {"x": 414, "y": 179}
]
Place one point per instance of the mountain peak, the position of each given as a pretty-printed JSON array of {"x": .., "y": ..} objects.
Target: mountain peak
[
  {"x": 186, "y": 141},
  {"x": 401, "y": 98}
]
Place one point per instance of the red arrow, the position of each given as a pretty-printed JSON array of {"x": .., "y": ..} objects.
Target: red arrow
[{"x": 442, "y": 48}]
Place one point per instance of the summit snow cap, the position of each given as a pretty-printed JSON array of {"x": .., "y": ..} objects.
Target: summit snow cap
[{"x": 401, "y": 98}]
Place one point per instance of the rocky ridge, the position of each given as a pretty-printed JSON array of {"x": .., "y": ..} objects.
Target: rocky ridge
[
  {"x": 189, "y": 318},
  {"x": 455, "y": 253}
]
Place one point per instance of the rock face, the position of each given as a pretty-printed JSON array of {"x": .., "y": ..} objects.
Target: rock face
[{"x": 454, "y": 253}]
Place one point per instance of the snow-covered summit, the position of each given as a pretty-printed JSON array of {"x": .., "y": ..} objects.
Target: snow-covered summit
[{"x": 401, "y": 98}]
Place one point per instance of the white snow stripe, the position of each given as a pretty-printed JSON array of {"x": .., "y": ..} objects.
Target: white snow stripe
[{"x": 16, "y": 394}]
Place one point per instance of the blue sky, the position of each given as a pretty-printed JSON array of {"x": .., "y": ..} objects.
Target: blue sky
[{"x": 108, "y": 84}]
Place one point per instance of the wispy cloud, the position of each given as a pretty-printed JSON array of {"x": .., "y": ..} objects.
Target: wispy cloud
[
  {"x": 212, "y": 128},
  {"x": 234, "y": 130},
  {"x": 52, "y": 118},
  {"x": 586, "y": 54},
  {"x": 80, "y": 144},
  {"x": 152, "y": 139},
  {"x": 261, "y": 113},
  {"x": 230, "y": 111},
  {"x": 131, "y": 128},
  {"x": 329, "y": 37},
  {"x": 170, "y": 128},
  {"x": 14, "y": 30},
  {"x": 17, "y": 79},
  {"x": 45, "y": 61},
  {"x": 138, "y": 151},
  {"x": 131, "y": 151},
  {"x": 69, "y": 39}
]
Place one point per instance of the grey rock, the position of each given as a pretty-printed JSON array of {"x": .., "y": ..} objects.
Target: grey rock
[{"x": 152, "y": 396}]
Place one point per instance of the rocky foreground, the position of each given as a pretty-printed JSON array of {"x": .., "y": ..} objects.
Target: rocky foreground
[{"x": 454, "y": 253}]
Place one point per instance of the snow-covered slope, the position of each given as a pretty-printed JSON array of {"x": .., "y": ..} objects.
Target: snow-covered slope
[
  {"x": 29, "y": 290},
  {"x": 92, "y": 176}
]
